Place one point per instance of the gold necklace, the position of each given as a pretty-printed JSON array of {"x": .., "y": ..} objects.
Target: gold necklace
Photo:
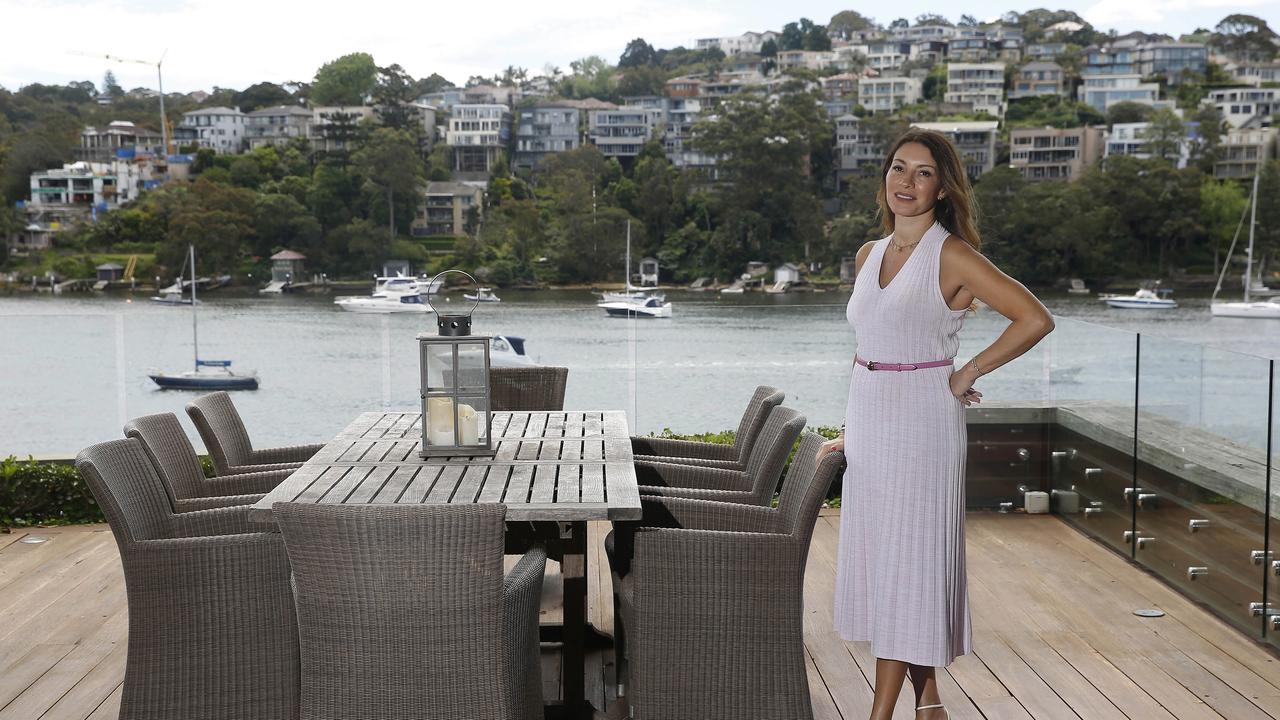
[{"x": 900, "y": 248}]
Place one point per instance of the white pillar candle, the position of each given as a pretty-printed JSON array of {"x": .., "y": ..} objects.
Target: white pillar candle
[
  {"x": 469, "y": 425},
  {"x": 440, "y": 421},
  {"x": 1036, "y": 502}
]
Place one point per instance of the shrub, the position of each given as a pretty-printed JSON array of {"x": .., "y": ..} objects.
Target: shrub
[{"x": 33, "y": 493}]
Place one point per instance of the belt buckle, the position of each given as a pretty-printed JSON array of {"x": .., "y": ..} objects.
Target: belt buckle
[{"x": 871, "y": 364}]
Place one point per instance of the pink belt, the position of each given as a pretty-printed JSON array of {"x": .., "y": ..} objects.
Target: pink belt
[{"x": 899, "y": 367}]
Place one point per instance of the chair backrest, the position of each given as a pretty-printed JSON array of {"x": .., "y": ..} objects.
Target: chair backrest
[
  {"x": 806, "y": 486},
  {"x": 127, "y": 488},
  {"x": 763, "y": 401},
  {"x": 171, "y": 453},
  {"x": 769, "y": 453},
  {"x": 399, "y": 608},
  {"x": 528, "y": 388},
  {"x": 221, "y": 429}
]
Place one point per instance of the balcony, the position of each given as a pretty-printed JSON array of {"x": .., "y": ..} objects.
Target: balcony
[{"x": 1154, "y": 453}]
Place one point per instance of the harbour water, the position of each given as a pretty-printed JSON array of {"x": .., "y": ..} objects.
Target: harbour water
[{"x": 73, "y": 368}]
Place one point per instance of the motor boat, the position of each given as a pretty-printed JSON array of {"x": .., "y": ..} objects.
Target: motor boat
[
  {"x": 652, "y": 306},
  {"x": 1144, "y": 299},
  {"x": 172, "y": 298},
  {"x": 508, "y": 351},
  {"x": 390, "y": 295},
  {"x": 483, "y": 294}
]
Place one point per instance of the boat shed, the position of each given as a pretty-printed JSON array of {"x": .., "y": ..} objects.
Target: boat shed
[
  {"x": 787, "y": 272},
  {"x": 288, "y": 266},
  {"x": 110, "y": 272}
]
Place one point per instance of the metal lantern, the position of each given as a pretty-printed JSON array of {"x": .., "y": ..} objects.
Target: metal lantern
[{"x": 454, "y": 366}]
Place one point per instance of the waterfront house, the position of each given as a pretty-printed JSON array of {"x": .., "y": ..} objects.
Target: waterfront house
[
  {"x": 543, "y": 130},
  {"x": 1054, "y": 153},
  {"x": 221, "y": 129},
  {"x": 888, "y": 94},
  {"x": 478, "y": 134},
  {"x": 120, "y": 138},
  {"x": 445, "y": 208},
  {"x": 1104, "y": 90},
  {"x": 976, "y": 141},
  {"x": 1037, "y": 79},
  {"x": 621, "y": 133},
  {"x": 1242, "y": 149},
  {"x": 277, "y": 126},
  {"x": 1131, "y": 139},
  {"x": 288, "y": 267},
  {"x": 978, "y": 85},
  {"x": 1245, "y": 106}
]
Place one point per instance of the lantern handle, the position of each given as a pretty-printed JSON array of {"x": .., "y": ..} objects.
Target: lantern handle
[{"x": 432, "y": 284}]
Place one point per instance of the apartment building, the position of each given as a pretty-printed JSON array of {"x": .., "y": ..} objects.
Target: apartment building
[
  {"x": 1054, "y": 153},
  {"x": 333, "y": 127},
  {"x": 220, "y": 129},
  {"x": 444, "y": 209},
  {"x": 681, "y": 114},
  {"x": 478, "y": 134},
  {"x": 748, "y": 42},
  {"x": 621, "y": 133},
  {"x": 885, "y": 55},
  {"x": 976, "y": 141},
  {"x": 979, "y": 85},
  {"x": 544, "y": 130},
  {"x": 888, "y": 94},
  {"x": 856, "y": 150},
  {"x": 277, "y": 126},
  {"x": 1038, "y": 79}
]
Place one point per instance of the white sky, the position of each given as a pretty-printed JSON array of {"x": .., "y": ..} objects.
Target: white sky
[{"x": 235, "y": 43}]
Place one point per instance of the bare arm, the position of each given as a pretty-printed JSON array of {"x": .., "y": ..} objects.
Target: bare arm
[{"x": 974, "y": 274}]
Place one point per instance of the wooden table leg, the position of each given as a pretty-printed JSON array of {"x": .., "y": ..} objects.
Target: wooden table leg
[{"x": 574, "y": 572}]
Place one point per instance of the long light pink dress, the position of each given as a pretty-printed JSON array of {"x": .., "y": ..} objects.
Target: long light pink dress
[{"x": 900, "y": 580}]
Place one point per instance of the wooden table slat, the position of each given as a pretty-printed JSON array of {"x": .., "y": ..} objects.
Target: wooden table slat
[
  {"x": 495, "y": 484},
  {"x": 404, "y": 425},
  {"x": 337, "y": 494},
  {"x": 469, "y": 487},
  {"x": 518, "y": 485},
  {"x": 317, "y": 489},
  {"x": 422, "y": 483},
  {"x": 569, "y": 483},
  {"x": 593, "y": 483},
  {"x": 382, "y": 427},
  {"x": 371, "y": 485},
  {"x": 446, "y": 484},
  {"x": 544, "y": 485},
  {"x": 399, "y": 481}
]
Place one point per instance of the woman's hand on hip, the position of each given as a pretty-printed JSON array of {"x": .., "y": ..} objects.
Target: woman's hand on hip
[{"x": 961, "y": 383}]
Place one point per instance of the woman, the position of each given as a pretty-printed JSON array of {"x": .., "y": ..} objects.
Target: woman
[{"x": 901, "y": 568}]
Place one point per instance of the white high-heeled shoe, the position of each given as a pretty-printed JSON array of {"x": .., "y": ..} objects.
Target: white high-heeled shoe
[{"x": 939, "y": 705}]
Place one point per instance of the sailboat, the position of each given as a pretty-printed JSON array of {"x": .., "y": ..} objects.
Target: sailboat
[
  {"x": 208, "y": 374},
  {"x": 1268, "y": 309},
  {"x": 634, "y": 301}
]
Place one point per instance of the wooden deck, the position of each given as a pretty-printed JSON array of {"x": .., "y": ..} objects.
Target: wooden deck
[{"x": 1054, "y": 634}]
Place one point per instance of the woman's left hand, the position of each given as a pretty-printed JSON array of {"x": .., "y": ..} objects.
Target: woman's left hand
[{"x": 961, "y": 383}]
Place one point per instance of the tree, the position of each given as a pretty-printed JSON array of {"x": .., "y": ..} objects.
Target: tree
[
  {"x": 1165, "y": 134},
  {"x": 968, "y": 21},
  {"x": 109, "y": 85},
  {"x": 394, "y": 95},
  {"x": 815, "y": 35},
  {"x": 638, "y": 53},
  {"x": 389, "y": 160},
  {"x": 430, "y": 84},
  {"x": 345, "y": 81},
  {"x": 280, "y": 221},
  {"x": 899, "y": 23},
  {"x": 216, "y": 218},
  {"x": 263, "y": 94},
  {"x": 1245, "y": 38},
  {"x": 592, "y": 77},
  {"x": 1206, "y": 149},
  {"x": 769, "y": 48},
  {"x": 1127, "y": 111},
  {"x": 845, "y": 23},
  {"x": 1222, "y": 205},
  {"x": 245, "y": 172},
  {"x": 792, "y": 37},
  {"x": 642, "y": 80},
  {"x": 932, "y": 19}
]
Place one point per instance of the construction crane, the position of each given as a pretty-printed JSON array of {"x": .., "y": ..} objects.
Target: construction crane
[{"x": 164, "y": 124}]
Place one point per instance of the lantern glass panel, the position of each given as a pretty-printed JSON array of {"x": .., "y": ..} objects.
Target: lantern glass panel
[
  {"x": 437, "y": 364},
  {"x": 463, "y": 424},
  {"x": 473, "y": 376}
]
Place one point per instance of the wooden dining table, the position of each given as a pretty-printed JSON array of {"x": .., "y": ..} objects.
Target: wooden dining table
[{"x": 555, "y": 471}]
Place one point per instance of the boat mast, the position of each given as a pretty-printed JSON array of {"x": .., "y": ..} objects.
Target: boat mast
[
  {"x": 1253, "y": 218},
  {"x": 195, "y": 339},
  {"x": 626, "y": 273}
]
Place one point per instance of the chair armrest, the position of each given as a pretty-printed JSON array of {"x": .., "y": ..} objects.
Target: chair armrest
[
  {"x": 253, "y": 469},
  {"x": 701, "y": 514},
  {"x": 207, "y": 503},
  {"x": 742, "y": 497},
  {"x": 667, "y": 474},
  {"x": 244, "y": 483},
  {"x": 696, "y": 462},
  {"x": 521, "y": 659},
  {"x": 212, "y": 522},
  {"x": 668, "y": 447},
  {"x": 287, "y": 454}
]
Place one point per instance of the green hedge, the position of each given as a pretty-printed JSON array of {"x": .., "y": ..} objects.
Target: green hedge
[{"x": 33, "y": 493}]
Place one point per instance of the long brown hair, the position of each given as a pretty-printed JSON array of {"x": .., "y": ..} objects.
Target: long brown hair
[{"x": 957, "y": 210}]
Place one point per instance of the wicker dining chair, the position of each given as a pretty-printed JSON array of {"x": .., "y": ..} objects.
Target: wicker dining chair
[
  {"x": 212, "y": 629},
  {"x": 728, "y": 456},
  {"x": 712, "y": 608},
  {"x": 227, "y": 441},
  {"x": 522, "y": 389},
  {"x": 754, "y": 484},
  {"x": 178, "y": 466},
  {"x": 404, "y": 612}
]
